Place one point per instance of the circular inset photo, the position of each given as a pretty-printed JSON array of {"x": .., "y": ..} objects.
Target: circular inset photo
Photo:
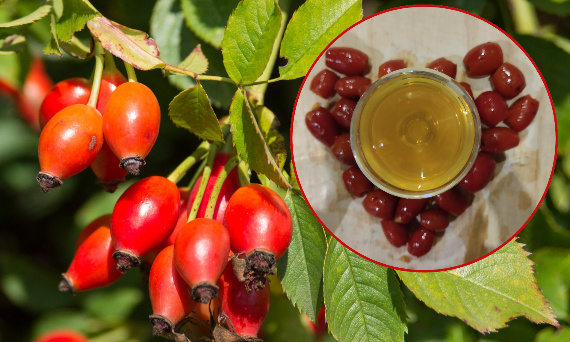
[{"x": 424, "y": 138}]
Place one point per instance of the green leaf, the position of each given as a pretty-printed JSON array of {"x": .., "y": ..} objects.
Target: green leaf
[
  {"x": 128, "y": 44},
  {"x": 558, "y": 7},
  {"x": 113, "y": 306},
  {"x": 220, "y": 93},
  {"x": 268, "y": 124},
  {"x": 191, "y": 110},
  {"x": 52, "y": 47},
  {"x": 12, "y": 44},
  {"x": 473, "y": 6},
  {"x": 363, "y": 300},
  {"x": 249, "y": 142},
  {"x": 301, "y": 268},
  {"x": 553, "y": 275},
  {"x": 208, "y": 18},
  {"x": 248, "y": 40},
  {"x": 313, "y": 26},
  {"x": 75, "y": 15},
  {"x": 486, "y": 294},
  {"x": 195, "y": 62},
  {"x": 559, "y": 192},
  {"x": 294, "y": 182},
  {"x": 552, "y": 335},
  {"x": 12, "y": 27}
]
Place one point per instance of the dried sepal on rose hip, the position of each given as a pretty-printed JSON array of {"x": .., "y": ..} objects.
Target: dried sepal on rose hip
[
  {"x": 241, "y": 310},
  {"x": 260, "y": 228},
  {"x": 131, "y": 124},
  {"x": 68, "y": 144},
  {"x": 93, "y": 265},
  {"x": 143, "y": 218},
  {"x": 169, "y": 294},
  {"x": 201, "y": 253}
]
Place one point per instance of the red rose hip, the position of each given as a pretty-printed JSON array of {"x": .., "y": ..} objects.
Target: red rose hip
[
  {"x": 499, "y": 139},
  {"x": 390, "y": 66},
  {"x": 492, "y": 108},
  {"x": 434, "y": 219},
  {"x": 444, "y": 66},
  {"x": 508, "y": 81},
  {"x": 452, "y": 201},
  {"x": 421, "y": 241},
  {"x": 380, "y": 204},
  {"x": 396, "y": 233},
  {"x": 480, "y": 174},
  {"x": 143, "y": 218},
  {"x": 342, "y": 112},
  {"x": 483, "y": 59},
  {"x": 356, "y": 182},
  {"x": 342, "y": 150},
  {"x": 351, "y": 87},
  {"x": 322, "y": 125},
  {"x": 408, "y": 208},
  {"x": 347, "y": 61},
  {"x": 323, "y": 84},
  {"x": 521, "y": 113}
]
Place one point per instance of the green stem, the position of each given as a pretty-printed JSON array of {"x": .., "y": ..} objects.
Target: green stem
[
  {"x": 243, "y": 173},
  {"x": 79, "y": 45},
  {"x": 181, "y": 170},
  {"x": 109, "y": 62},
  {"x": 259, "y": 87},
  {"x": 203, "y": 183},
  {"x": 131, "y": 75},
  {"x": 197, "y": 174},
  {"x": 230, "y": 165},
  {"x": 524, "y": 17},
  {"x": 97, "y": 74},
  {"x": 196, "y": 76}
]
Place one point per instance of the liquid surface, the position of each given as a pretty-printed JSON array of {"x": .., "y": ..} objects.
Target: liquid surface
[{"x": 416, "y": 133}]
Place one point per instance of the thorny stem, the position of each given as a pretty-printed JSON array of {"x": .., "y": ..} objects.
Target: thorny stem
[
  {"x": 177, "y": 174},
  {"x": 230, "y": 165},
  {"x": 204, "y": 182},
  {"x": 97, "y": 75},
  {"x": 131, "y": 75}
]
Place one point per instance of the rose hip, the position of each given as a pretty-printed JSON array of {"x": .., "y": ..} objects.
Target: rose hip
[
  {"x": 356, "y": 182},
  {"x": 322, "y": 125},
  {"x": 434, "y": 219},
  {"x": 396, "y": 234},
  {"x": 420, "y": 241},
  {"x": 452, "y": 201},
  {"x": 342, "y": 150},
  {"x": 390, "y": 66},
  {"x": 499, "y": 139},
  {"x": 347, "y": 61},
  {"x": 521, "y": 113},
  {"x": 350, "y": 87},
  {"x": 508, "y": 81},
  {"x": 444, "y": 66},
  {"x": 480, "y": 174},
  {"x": 467, "y": 88},
  {"x": 492, "y": 108},
  {"x": 380, "y": 204},
  {"x": 408, "y": 208},
  {"x": 342, "y": 112},
  {"x": 483, "y": 59},
  {"x": 323, "y": 83}
]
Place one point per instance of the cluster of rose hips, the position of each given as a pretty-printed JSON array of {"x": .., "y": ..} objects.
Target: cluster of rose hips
[
  {"x": 112, "y": 137},
  {"x": 417, "y": 222},
  {"x": 227, "y": 257}
]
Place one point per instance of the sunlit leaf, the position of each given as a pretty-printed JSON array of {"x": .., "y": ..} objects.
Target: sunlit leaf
[
  {"x": 11, "y": 27},
  {"x": 249, "y": 141},
  {"x": 75, "y": 15},
  {"x": 208, "y": 18},
  {"x": 363, "y": 300},
  {"x": 313, "y": 26},
  {"x": 191, "y": 110},
  {"x": 553, "y": 275},
  {"x": 486, "y": 294},
  {"x": 301, "y": 268}
]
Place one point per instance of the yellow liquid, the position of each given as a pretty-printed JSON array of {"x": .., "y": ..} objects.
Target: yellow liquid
[{"x": 416, "y": 133}]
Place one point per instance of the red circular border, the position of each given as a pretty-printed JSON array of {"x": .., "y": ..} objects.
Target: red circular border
[{"x": 555, "y": 128}]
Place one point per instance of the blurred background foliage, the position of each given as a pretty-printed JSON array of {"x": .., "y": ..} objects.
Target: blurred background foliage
[{"x": 38, "y": 231}]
